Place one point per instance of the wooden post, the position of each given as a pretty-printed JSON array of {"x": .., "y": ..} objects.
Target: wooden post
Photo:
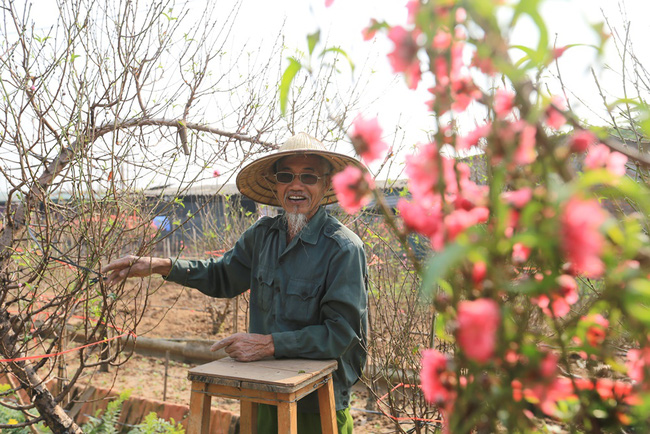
[
  {"x": 199, "y": 420},
  {"x": 287, "y": 418},
  {"x": 166, "y": 370},
  {"x": 327, "y": 406},
  {"x": 248, "y": 417}
]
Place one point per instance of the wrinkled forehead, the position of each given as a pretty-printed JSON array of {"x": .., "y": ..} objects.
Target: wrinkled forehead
[{"x": 303, "y": 163}]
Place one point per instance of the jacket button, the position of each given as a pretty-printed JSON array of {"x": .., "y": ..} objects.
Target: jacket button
[{"x": 344, "y": 393}]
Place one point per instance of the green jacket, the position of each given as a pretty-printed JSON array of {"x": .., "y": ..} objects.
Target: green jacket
[{"x": 310, "y": 295}]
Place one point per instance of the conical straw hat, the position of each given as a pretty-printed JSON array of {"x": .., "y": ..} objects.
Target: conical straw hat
[{"x": 257, "y": 182}]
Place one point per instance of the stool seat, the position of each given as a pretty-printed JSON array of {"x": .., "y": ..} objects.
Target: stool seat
[{"x": 280, "y": 382}]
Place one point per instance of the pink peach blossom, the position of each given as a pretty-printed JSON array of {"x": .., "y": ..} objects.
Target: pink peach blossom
[
  {"x": 366, "y": 138},
  {"x": 597, "y": 156},
  {"x": 548, "y": 365},
  {"x": 426, "y": 220},
  {"x": 525, "y": 152},
  {"x": 504, "y": 101},
  {"x": 328, "y": 3},
  {"x": 478, "y": 323},
  {"x": 557, "y": 52},
  {"x": 369, "y": 32},
  {"x": 637, "y": 363},
  {"x": 581, "y": 140},
  {"x": 621, "y": 391},
  {"x": 413, "y": 7},
  {"x": 597, "y": 329},
  {"x": 472, "y": 139},
  {"x": 441, "y": 71},
  {"x": 600, "y": 156},
  {"x": 442, "y": 40},
  {"x": 554, "y": 118},
  {"x": 464, "y": 92},
  {"x": 484, "y": 64},
  {"x": 423, "y": 170},
  {"x": 582, "y": 241},
  {"x": 518, "y": 198},
  {"x": 434, "y": 378},
  {"x": 616, "y": 164},
  {"x": 520, "y": 253},
  {"x": 352, "y": 187},
  {"x": 461, "y": 15},
  {"x": 404, "y": 57},
  {"x": 457, "y": 62},
  {"x": 459, "y": 220},
  {"x": 561, "y": 299},
  {"x": 479, "y": 271},
  {"x": 470, "y": 194},
  {"x": 216, "y": 173}
]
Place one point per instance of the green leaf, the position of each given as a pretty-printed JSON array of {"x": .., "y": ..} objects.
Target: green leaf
[
  {"x": 341, "y": 52},
  {"x": 637, "y": 300},
  {"x": 312, "y": 40},
  {"x": 612, "y": 105},
  {"x": 530, "y": 53},
  {"x": 285, "y": 84},
  {"x": 531, "y": 8},
  {"x": 644, "y": 123},
  {"x": 440, "y": 264}
]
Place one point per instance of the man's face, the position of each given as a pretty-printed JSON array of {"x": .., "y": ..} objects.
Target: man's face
[{"x": 296, "y": 197}]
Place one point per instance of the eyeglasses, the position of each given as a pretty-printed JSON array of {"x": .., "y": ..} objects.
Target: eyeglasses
[{"x": 305, "y": 178}]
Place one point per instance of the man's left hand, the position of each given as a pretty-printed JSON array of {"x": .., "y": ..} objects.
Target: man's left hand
[{"x": 246, "y": 347}]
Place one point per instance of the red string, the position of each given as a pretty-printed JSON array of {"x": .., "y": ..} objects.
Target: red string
[
  {"x": 44, "y": 356},
  {"x": 418, "y": 419}
]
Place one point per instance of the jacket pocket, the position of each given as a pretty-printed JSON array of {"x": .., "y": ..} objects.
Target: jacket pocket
[
  {"x": 301, "y": 304},
  {"x": 262, "y": 295}
]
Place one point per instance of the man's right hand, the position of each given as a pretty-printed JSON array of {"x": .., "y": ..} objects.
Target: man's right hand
[{"x": 136, "y": 266}]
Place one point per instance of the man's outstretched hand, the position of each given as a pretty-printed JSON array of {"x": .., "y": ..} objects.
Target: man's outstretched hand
[
  {"x": 246, "y": 347},
  {"x": 136, "y": 266}
]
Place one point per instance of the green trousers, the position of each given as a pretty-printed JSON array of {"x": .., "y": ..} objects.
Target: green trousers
[{"x": 308, "y": 423}]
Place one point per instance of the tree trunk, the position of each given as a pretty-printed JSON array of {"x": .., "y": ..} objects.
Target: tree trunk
[{"x": 53, "y": 415}]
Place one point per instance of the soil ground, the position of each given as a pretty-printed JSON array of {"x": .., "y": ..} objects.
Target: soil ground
[{"x": 181, "y": 313}]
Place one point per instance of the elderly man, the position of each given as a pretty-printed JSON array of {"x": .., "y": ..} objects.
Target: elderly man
[{"x": 306, "y": 272}]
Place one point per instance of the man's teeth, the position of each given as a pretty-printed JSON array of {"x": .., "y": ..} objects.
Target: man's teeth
[{"x": 296, "y": 197}]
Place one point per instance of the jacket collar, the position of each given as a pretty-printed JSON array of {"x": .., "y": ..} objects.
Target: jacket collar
[{"x": 311, "y": 231}]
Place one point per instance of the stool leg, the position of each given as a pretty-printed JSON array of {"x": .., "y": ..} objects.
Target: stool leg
[
  {"x": 327, "y": 407},
  {"x": 287, "y": 418},
  {"x": 248, "y": 417},
  {"x": 199, "y": 420}
]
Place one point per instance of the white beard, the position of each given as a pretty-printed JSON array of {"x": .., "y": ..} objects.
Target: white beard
[{"x": 295, "y": 223}]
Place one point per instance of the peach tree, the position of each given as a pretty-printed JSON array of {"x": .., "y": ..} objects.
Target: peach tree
[{"x": 539, "y": 274}]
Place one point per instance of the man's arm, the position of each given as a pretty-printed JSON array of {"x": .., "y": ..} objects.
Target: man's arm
[{"x": 136, "y": 266}]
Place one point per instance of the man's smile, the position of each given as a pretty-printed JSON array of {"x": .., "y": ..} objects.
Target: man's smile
[{"x": 296, "y": 198}]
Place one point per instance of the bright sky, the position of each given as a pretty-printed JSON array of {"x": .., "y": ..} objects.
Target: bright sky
[
  {"x": 568, "y": 22},
  {"x": 387, "y": 97}
]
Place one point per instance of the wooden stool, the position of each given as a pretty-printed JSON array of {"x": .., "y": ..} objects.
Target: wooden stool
[{"x": 277, "y": 382}]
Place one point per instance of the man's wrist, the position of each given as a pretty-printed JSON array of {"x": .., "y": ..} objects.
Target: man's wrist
[
  {"x": 270, "y": 348},
  {"x": 162, "y": 266}
]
